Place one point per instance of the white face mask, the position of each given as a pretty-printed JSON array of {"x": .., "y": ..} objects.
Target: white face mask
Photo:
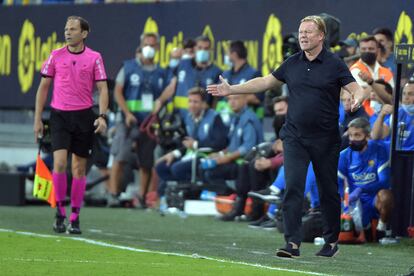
[
  {"x": 187, "y": 56},
  {"x": 174, "y": 62},
  {"x": 227, "y": 61},
  {"x": 376, "y": 106},
  {"x": 409, "y": 108},
  {"x": 148, "y": 52},
  {"x": 202, "y": 56}
]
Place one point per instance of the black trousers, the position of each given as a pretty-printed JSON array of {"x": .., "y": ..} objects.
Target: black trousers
[
  {"x": 323, "y": 153},
  {"x": 251, "y": 179}
]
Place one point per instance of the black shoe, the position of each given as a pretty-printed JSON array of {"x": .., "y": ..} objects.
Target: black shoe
[
  {"x": 59, "y": 224},
  {"x": 74, "y": 228},
  {"x": 328, "y": 251},
  {"x": 269, "y": 225},
  {"x": 257, "y": 223},
  {"x": 288, "y": 252},
  {"x": 267, "y": 195}
]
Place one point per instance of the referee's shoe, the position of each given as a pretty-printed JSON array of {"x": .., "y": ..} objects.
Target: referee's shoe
[
  {"x": 59, "y": 224},
  {"x": 74, "y": 228}
]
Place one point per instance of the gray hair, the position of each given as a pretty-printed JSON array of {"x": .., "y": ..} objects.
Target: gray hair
[{"x": 361, "y": 123}]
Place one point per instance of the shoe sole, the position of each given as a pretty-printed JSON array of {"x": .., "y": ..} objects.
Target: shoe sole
[
  {"x": 254, "y": 226},
  {"x": 73, "y": 233},
  {"x": 269, "y": 229},
  {"x": 59, "y": 231},
  {"x": 333, "y": 256},
  {"x": 267, "y": 198},
  {"x": 285, "y": 254}
]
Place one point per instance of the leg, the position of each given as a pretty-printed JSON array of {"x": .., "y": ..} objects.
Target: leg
[
  {"x": 384, "y": 203},
  {"x": 324, "y": 157},
  {"x": 216, "y": 178},
  {"x": 60, "y": 158},
  {"x": 296, "y": 161},
  {"x": 78, "y": 185},
  {"x": 181, "y": 170},
  {"x": 145, "y": 150}
]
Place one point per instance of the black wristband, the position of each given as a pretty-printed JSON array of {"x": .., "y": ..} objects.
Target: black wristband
[{"x": 103, "y": 116}]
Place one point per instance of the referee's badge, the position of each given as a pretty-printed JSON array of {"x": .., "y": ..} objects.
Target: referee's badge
[{"x": 134, "y": 79}]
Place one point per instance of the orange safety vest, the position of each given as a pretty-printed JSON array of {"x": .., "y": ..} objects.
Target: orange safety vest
[{"x": 383, "y": 73}]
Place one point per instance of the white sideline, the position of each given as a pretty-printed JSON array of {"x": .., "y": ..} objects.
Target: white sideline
[{"x": 195, "y": 256}]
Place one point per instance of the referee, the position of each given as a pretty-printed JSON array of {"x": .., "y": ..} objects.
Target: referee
[
  {"x": 310, "y": 134},
  {"x": 74, "y": 69}
]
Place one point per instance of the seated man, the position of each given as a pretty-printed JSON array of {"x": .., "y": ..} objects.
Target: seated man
[
  {"x": 204, "y": 128},
  {"x": 405, "y": 133},
  {"x": 245, "y": 132},
  {"x": 365, "y": 167}
]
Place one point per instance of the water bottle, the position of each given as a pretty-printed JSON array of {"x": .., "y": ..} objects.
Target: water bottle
[{"x": 318, "y": 241}]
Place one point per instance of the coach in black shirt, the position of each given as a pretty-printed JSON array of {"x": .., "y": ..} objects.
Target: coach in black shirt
[{"x": 314, "y": 77}]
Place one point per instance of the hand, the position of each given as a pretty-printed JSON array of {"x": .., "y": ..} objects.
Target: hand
[
  {"x": 354, "y": 196},
  {"x": 277, "y": 146},
  {"x": 365, "y": 77},
  {"x": 225, "y": 159},
  {"x": 188, "y": 142},
  {"x": 356, "y": 104},
  {"x": 38, "y": 130},
  {"x": 130, "y": 119},
  {"x": 168, "y": 158},
  {"x": 386, "y": 109},
  {"x": 157, "y": 106},
  {"x": 262, "y": 164},
  {"x": 222, "y": 89},
  {"x": 100, "y": 125}
]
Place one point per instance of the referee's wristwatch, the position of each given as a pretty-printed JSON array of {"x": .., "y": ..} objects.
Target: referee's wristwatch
[{"x": 103, "y": 116}]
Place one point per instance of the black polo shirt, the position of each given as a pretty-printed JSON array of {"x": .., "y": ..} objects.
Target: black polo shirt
[{"x": 314, "y": 89}]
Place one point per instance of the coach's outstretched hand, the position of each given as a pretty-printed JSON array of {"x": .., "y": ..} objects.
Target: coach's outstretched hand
[{"x": 222, "y": 89}]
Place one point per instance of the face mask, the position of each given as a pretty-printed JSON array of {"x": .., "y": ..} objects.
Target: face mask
[
  {"x": 148, "y": 52},
  {"x": 202, "y": 56},
  {"x": 376, "y": 106},
  {"x": 227, "y": 61},
  {"x": 369, "y": 58},
  {"x": 174, "y": 62},
  {"x": 409, "y": 108},
  {"x": 357, "y": 145},
  {"x": 186, "y": 56}
]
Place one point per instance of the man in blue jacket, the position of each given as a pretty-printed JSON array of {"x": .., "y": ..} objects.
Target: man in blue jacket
[{"x": 204, "y": 129}]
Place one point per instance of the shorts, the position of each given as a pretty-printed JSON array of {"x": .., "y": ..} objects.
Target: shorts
[
  {"x": 73, "y": 131},
  {"x": 123, "y": 146},
  {"x": 369, "y": 212}
]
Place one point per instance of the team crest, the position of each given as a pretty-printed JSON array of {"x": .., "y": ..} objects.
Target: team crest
[{"x": 371, "y": 163}]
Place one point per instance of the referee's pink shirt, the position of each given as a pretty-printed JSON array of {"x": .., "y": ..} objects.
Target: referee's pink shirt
[{"x": 74, "y": 75}]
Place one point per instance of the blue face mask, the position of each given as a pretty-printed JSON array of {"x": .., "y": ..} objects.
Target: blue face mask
[
  {"x": 376, "y": 106},
  {"x": 409, "y": 108},
  {"x": 202, "y": 56},
  {"x": 227, "y": 61},
  {"x": 174, "y": 62}
]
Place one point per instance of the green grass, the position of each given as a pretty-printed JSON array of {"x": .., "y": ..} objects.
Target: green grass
[{"x": 203, "y": 236}]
